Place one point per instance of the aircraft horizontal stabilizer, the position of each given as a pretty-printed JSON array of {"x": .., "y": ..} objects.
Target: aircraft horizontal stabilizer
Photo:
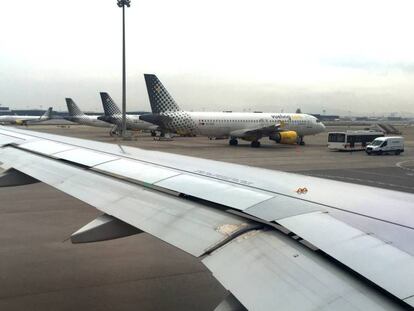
[{"x": 155, "y": 118}]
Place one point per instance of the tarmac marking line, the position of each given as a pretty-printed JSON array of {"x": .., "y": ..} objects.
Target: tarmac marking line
[{"x": 401, "y": 165}]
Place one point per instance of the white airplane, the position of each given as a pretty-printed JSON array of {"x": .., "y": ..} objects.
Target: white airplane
[
  {"x": 77, "y": 116},
  {"x": 284, "y": 128},
  {"x": 274, "y": 240},
  {"x": 24, "y": 120},
  {"x": 113, "y": 115}
]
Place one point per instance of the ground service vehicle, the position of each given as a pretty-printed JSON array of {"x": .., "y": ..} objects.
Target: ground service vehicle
[
  {"x": 351, "y": 140},
  {"x": 383, "y": 145}
]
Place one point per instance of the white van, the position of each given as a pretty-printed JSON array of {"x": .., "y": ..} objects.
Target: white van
[{"x": 382, "y": 145}]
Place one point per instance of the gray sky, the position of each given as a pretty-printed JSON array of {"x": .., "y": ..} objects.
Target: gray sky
[{"x": 340, "y": 56}]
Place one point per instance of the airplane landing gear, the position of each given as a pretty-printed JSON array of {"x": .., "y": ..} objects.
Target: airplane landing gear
[
  {"x": 300, "y": 141},
  {"x": 115, "y": 131},
  {"x": 255, "y": 144},
  {"x": 164, "y": 136},
  {"x": 153, "y": 133},
  {"x": 233, "y": 142}
]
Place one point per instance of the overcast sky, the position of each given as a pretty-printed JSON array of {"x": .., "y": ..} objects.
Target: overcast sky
[{"x": 339, "y": 56}]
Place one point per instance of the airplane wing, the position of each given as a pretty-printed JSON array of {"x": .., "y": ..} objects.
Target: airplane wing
[
  {"x": 259, "y": 131},
  {"x": 275, "y": 240}
]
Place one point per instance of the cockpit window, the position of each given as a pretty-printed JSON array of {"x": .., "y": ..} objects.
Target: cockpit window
[{"x": 318, "y": 121}]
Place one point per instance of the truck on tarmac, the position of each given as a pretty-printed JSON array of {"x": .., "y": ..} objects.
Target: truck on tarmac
[{"x": 384, "y": 145}]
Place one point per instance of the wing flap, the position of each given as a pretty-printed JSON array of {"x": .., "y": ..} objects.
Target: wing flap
[
  {"x": 15, "y": 136},
  {"x": 378, "y": 261},
  {"x": 5, "y": 140},
  {"x": 45, "y": 147},
  {"x": 218, "y": 192},
  {"x": 269, "y": 271},
  {"x": 187, "y": 225},
  {"x": 281, "y": 206},
  {"x": 136, "y": 171},
  {"x": 85, "y": 157}
]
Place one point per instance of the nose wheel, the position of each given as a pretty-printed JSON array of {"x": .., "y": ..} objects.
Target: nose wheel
[{"x": 255, "y": 144}]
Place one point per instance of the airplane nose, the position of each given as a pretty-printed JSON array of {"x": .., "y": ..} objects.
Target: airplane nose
[{"x": 323, "y": 127}]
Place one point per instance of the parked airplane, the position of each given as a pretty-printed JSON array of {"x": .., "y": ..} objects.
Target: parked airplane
[
  {"x": 114, "y": 115},
  {"x": 24, "y": 120},
  {"x": 274, "y": 240},
  {"x": 284, "y": 128},
  {"x": 77, "y": 116}
]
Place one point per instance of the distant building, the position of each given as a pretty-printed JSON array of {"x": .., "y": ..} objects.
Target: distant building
[
  {"x": 394, "y": 118},
  {"x": 361, "y": 118},
  {"x": 5, "y": 111},
  {"x": 366, "y": 119}
]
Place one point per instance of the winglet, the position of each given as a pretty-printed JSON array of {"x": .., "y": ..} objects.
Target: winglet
[{"x": 160, "y": 99}]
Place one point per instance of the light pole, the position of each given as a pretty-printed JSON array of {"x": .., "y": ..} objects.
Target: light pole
[{"x": 122, "y": 4}]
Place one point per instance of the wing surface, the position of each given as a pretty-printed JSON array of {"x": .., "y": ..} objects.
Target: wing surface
[
  {"x": 232, "y": 217},
  {"x": 256, "y": 132}
]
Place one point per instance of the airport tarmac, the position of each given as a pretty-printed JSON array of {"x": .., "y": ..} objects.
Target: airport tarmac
[{"x": 41, "y": 270}]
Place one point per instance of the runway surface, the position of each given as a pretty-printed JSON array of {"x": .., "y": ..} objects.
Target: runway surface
[
  {"x": 41, "y": 270},
  {"x": 393, "y": 178}
]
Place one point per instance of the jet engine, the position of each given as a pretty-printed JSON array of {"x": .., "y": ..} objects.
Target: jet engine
[{"x": 288, "y": 137}]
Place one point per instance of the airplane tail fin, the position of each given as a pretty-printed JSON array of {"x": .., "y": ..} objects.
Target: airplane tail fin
[
  {"x": 73, "y": 109},
  {"x": 109, "y": 106},
  {"x": 160, "y": 99},
  {"x": 47, "y": 115}
]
